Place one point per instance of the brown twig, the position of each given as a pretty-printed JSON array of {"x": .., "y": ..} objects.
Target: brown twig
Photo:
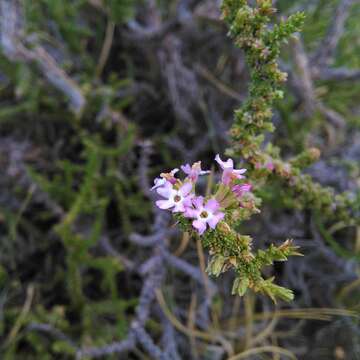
[{"x": 105, "y": 50}]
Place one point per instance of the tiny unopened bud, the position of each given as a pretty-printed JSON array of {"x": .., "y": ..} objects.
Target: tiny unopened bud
[
  {"x": 233, "y": 260},
  {"x": 314, "y": 153},
  {"x": 216, "y": 265},
  {"x": 224, "y": 227}
]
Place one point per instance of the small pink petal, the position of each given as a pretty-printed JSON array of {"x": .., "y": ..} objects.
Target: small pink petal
[
  {"x": 228, "y": 164},
  {"x": 270, "y": 166},
  {"x": 164, "y": 204},
  {"x": 198, "y": 201},
  {"x": 165, "y": 191},
  {"x": 240, "y": 190},
  {"x": 190, "y": 213},
  {"x": 158, "y": 182},
  {"x": 227, "y": 176},
  {"x": 215, "y": 219},
  {"x": 246, "y": 187},
  {"x": 186, "y": 169},
  {"x": 200, "y": 226},
  {"x": 240, "y": 177},
  {"x": 212, "y": 205},
  {"x": 185, "y": 189},
  {"x": 179, "y": 207},
  {"x": 188, "y": 200}
]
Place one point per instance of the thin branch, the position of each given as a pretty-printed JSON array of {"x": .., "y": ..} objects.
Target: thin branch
[
  {"x": 145, "y": 340},
  {"x": 222, "y": 87},
  {"x": 14, "y": 47},
  {"x": 336, "y": 74},
  {"x": 105, "y": 50},
  {"x": 114, "y": 348},
  {"x": 49, "y": 329},
  {"x": 332, "y": 116},
  {"x": 326, "y": 51},
  {"x": 188, "y": 269},
  {"x": 303, "y": 78},
  {"x": 303, "y": 83},
  {"x": 168, "y": 338}
]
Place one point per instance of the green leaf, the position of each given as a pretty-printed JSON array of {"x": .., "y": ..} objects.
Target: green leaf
[
  {"x": 121, "y": 10},
  {"x": 240, "y": 285},
  {"x": 216, "y": 265}
]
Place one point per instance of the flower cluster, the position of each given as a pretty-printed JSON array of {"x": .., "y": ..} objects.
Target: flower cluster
[
  {"x": 214, "y": 218},
  {"x": 179, "y": 196}
]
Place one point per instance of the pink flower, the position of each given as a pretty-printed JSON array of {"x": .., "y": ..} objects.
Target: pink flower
[
  {"x": 193, "y": 171},
  {"x": 270, "y": 166},
  {"x": 204, "y": 215},
  {"x": 240, "y": 190},
  {"x": 229, "y": 173},
  {"x": 176, "y": 199},
  {"x": 164, "y": 177},
  {"x": 158, "y": 182}
]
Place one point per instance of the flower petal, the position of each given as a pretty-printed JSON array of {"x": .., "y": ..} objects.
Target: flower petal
[
  {"x": 165, "y": 190},
  {"x": 187, "y": 201},
  {"x": 200, "y": 226},
  {"x": 185, "y": 189},
  {"x": 198, "y": 202},
  {"x": 240, "y": 171},
  {"x": 212, "y": 205},
  {"x": 179, "y": 207},
  {"x": 246, "y": 187},
  {"x": 158, "y": 182},
  {"x": 227, "y": 176},
  {"x": 240, "y": 177},
  {"x": 240, "y": 190},
  {"x": 215, "y": 219},
  {"x": 164, "y": 204},
  {"x": 228, "y": 164},
  {"x": 191, "y": 213},
  {"x": 270, "y": 166},
  {"x": 186, "y": 169}
]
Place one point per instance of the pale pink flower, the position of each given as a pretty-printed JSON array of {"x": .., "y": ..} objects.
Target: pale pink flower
[
  {"x": 204, "y": 215},
  {"x": 229, "y": 173},
  {"x": 176, "y": 199},
  {"x": 158, "y": 182},
  {"x": 194, "y": 171},
  {"x": 242, "y": 189},
  {"x": 164, "y": 177}
]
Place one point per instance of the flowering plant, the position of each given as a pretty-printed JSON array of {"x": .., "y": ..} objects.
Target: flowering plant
[{"x": 214, "y": 218}]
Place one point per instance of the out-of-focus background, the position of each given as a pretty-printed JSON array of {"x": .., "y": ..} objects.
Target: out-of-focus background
[{"x": 97, "y": 97}]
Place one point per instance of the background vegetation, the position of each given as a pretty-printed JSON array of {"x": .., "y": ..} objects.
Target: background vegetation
[{"x": 96, "y": 99}]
